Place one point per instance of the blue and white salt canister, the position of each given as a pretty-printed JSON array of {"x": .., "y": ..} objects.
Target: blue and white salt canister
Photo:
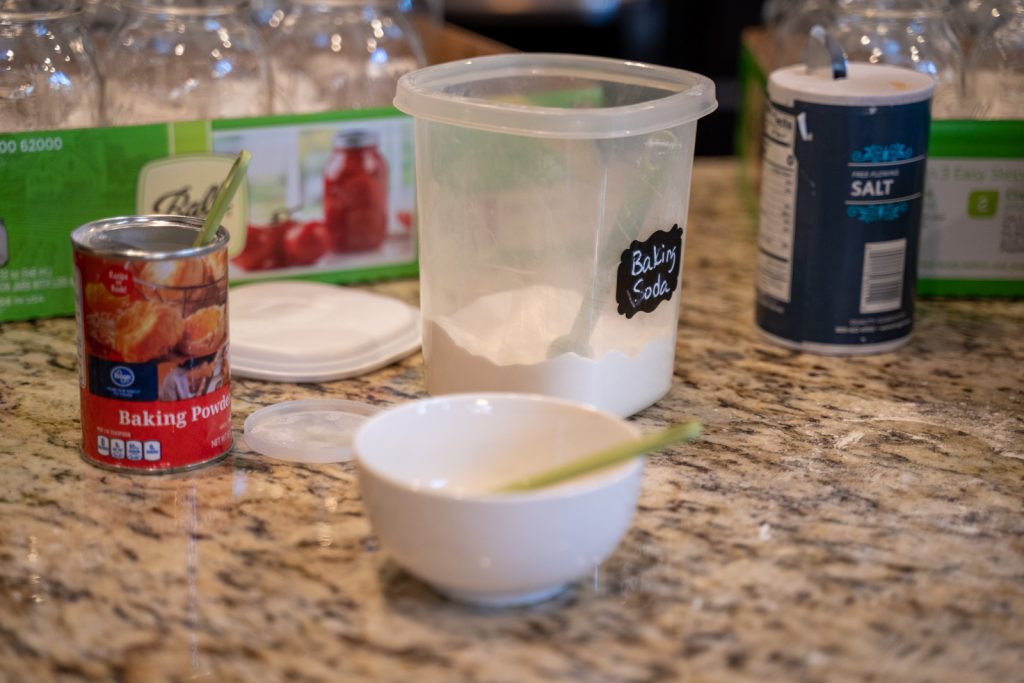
[{"x": 841, "y": 199}]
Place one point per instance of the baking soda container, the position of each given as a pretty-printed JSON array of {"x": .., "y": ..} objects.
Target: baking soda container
[
  {"x": 552, "y": 194},
  {"x": 841, "y": 198},
  {"x": 152, "y": 323}
]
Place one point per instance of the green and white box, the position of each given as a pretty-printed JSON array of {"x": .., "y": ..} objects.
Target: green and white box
[
  {"x": 53, "y": 181},
  {"x": 972, "y": 230}
]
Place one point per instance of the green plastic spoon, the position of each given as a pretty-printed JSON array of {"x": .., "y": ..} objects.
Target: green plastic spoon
[
  {"x": 222, "y": 200},
  {"x": 687, "y": 431}
]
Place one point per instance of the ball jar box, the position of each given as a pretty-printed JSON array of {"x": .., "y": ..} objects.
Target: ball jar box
[{"x": 329, "y": 196}]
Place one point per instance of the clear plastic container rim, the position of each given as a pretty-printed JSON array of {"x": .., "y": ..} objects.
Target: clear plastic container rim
[{"x": 688, "y": 96}]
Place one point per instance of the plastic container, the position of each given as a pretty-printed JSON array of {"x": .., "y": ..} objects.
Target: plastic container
[{"x": 552, "y": 194}]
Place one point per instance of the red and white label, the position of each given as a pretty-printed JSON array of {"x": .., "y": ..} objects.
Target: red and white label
[{"x": 156, "y": 393}]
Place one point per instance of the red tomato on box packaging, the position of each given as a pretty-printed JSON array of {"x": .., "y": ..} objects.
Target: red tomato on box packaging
[
  {"x": 305, "y": 243},
  {"x": 263, "y": 247}
]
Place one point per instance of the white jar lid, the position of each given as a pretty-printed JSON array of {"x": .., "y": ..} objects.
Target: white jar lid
[
  {"x": 865, "y": 85},
  {"x": 295, "y": 331}
]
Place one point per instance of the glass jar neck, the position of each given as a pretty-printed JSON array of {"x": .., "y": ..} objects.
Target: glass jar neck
[
  {"x": 19, "y": 11},
  {"x": 188, "y": 7},
  {"x": 894, "y": 9},
  {"x": 347, "y": 3}
]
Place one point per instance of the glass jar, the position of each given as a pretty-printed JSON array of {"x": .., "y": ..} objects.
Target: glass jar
[
  {"x": 910, "y": 33},
  {"x": 795, "y": 21},
  {"x": 971, "y": 18},
  {"x": 773, "y": 12},
  {"x": 48, "y": 76},
  {"x": 340, "y": 54},
  {"x": 177, "y": 60},
  {"x": 266, "y": 15},
  {"x": 433, "y": 10},
  {"x": 100, "y": 19},
  {"x": 995, "y": 71},
  {"x": 356, "y": 193}
]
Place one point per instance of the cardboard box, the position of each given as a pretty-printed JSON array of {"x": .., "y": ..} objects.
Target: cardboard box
[
  {"x": 53, "y": 181},
  {"x": 972, "y": 230}
]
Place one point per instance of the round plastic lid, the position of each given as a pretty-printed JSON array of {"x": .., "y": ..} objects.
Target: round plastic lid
[
  {"x": 296, "y": 331},
  {"x": 532, "y": 94},
  {"x": 865, "y": 85},
  {"x": 306, "y": 431}
]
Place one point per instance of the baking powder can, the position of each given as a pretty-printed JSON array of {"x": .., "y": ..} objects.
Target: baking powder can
[
  {"x": 152, "y": 320},
  {"x": 841, "y": 199}
]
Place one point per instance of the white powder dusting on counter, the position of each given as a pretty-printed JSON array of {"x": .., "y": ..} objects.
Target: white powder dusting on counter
[{"x": 501, "y": 342}]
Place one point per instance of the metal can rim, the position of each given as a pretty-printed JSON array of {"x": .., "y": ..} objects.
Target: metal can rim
[{"x": 83, "y": 237}]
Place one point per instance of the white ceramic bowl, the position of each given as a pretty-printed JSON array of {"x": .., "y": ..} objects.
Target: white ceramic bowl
[{"x": 427, "y": 469}]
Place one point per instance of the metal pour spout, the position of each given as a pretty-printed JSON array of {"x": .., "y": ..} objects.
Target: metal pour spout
[{"x": 825, "y": 54}]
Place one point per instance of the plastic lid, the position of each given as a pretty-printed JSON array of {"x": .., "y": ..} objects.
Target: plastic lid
[
  {"x": 864, "y": 85},
  {"x": 556, "y": 95},
  {"x": 308, "y": 431},
  {"x": 314, "y": 332}
]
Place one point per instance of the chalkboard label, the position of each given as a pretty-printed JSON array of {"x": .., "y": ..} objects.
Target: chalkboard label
[{"x": 649, "y": 272}]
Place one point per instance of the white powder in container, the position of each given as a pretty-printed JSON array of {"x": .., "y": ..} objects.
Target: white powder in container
[{"x": 501, "y": 342}]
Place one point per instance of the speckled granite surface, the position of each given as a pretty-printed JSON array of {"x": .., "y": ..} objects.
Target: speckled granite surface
[{"x": 843, "y": 520}]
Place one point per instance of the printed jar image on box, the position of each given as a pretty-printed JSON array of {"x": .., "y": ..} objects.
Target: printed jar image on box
[
  {"x": 841, "y": 201},
  {"x": 151, "y": 311}
]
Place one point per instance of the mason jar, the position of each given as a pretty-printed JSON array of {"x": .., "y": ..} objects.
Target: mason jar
[
  {"x": 100, "y": 19},
  {"x": 995, "y": 70},
  {"x": 910, "y": 33},
  {"x": 340, "y": 54},
  {"x": 48, "y": 76},
  {"x": 356, "y": 193},
  {"x": 178, "y": 60},
  {"x": 794, "y": 21}
]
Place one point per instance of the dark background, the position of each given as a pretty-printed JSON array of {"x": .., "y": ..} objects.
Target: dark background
[{"x": 698, "y": 35}]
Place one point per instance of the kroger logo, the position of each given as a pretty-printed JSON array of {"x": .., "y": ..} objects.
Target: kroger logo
[{"x": 122, "y": 376}]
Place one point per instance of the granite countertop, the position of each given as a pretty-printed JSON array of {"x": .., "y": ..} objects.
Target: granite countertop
[{"x": 843, "y": 519}]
